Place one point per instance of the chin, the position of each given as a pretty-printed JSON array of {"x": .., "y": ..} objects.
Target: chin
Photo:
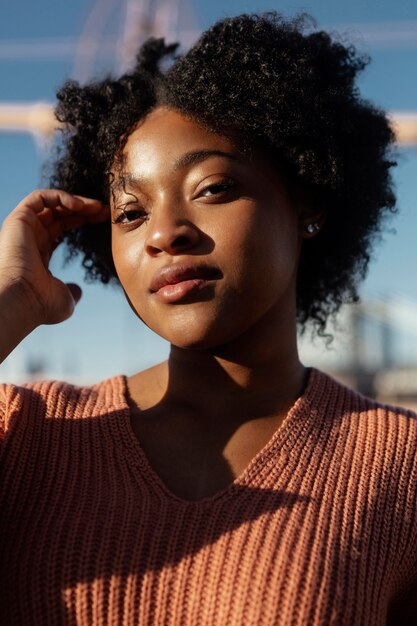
[
  {"x": 198, "y": 337},
  {"x": 199, "y": 328},
  {"x": 191, "y": 341},
  {"x": 188, "y": 334}
]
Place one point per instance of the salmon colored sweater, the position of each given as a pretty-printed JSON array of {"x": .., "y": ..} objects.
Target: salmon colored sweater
[{"x": 320, "y": 529}]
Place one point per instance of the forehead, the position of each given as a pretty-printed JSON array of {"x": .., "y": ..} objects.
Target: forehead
[
  {"x": 167, "y": 142},
  {"x": 165, "y": 136}
]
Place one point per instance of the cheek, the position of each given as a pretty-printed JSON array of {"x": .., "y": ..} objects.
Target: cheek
[
  {"x": 126, "y": 258},
  {"x": 134, "y": 275},
  {"x": 265, "y": 248}
]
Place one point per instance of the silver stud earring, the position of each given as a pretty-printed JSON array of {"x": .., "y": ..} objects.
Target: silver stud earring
[{"x": 312, "y": 228}]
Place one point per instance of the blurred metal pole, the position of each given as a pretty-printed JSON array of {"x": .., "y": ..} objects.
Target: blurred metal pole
[
  {"x": 91, "y": 39},
  {"x": 143, "y": 19}
]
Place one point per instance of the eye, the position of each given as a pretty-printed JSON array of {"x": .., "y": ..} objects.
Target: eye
[
  {"x": 217, "y": 189},
  {"x": 129, "y": 213}
]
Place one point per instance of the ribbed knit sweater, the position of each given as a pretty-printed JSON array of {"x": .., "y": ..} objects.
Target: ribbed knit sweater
[{"x": 320, "y": 528}]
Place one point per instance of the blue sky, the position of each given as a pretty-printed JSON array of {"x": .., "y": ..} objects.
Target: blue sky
[{"x": 103, "y": 337}]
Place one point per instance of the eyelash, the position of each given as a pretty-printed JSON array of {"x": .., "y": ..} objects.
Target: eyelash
[
  {"x": 216, "y": 189},
  {"x": 128, "y": 209},
  {"x": 221, "y": 187}
]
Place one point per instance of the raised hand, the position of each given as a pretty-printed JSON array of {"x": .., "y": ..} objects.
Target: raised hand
[{"x": 29, "y": 294}]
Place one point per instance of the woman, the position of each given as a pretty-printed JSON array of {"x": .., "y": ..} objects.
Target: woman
[{"x": 237, "y": 192}]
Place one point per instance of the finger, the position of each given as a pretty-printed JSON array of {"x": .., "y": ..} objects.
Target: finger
[
  {"x": 46, "y": 217},
  {"x": 61, "y": 201},
  {"x": 89, "y": 206},
  {"x": 71, "y": 219},
  {"x": 101, "y": 216},
  {"x": 75, "y": 290},
  {"x": 92, "y": 213},
  {"x": 92, "y": 205},
  {"x": 41, "y": 199}
]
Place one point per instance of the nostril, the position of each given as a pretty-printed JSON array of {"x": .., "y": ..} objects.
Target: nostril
[
  {"x": 181, "y": 241},
  {"x": 172, "y": 238}
]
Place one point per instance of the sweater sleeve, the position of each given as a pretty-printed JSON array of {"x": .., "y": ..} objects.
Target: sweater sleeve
[
  {"x": 11, "y": 405},
  {"x": 3, "y": 411}
]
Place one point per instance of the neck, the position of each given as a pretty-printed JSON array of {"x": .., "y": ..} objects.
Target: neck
[{"x": 256, "y": 374}]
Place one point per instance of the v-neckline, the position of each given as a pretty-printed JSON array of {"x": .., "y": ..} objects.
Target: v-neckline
[{"x": 290, "y": 435}]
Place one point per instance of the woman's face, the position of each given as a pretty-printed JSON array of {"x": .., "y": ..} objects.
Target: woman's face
[{"x": 205, "y": 240}]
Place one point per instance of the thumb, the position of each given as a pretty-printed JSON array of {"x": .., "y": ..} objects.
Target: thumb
[
  {"x": 62, "y": 301},
  {"x": 75, "y": 291}
]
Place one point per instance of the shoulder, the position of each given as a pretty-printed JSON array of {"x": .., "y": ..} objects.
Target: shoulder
[
  {"x": 340, "y": 401},
  {"x": 381, "y": 438},
  {"x": 376, "y": 441},
  {"x": 371, "y": 446},
  {"x": 58, "y": 399}
]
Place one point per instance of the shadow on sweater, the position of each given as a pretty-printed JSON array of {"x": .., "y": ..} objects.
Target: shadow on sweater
[{"x": 78, "y": 503}]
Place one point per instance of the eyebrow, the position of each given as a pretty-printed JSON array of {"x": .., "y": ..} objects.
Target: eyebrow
[
  {"x": 127, "y": 179},
  {"x": 192, "y": 158}
]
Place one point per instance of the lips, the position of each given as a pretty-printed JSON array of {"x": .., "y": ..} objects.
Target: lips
[{"x": 175, "y": 282}]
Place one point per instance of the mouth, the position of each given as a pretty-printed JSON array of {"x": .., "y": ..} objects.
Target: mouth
[{"x": 176, "y": 283}]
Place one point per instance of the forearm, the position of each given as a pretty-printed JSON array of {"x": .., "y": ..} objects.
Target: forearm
[
  {"x": 18, "y": 316},
  {"x": 29, "y": 294}
]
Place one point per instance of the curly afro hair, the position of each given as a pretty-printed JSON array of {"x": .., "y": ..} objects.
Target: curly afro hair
[{"x": 270, "y": 82}]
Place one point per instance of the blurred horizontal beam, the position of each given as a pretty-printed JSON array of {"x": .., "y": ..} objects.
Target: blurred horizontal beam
[
  {"x": 48, "y": 48},
  {"x": 38, "y": 118},
  {"x": 66, "y": 47},
  {"x": 405, "y": 127},
  {"x": 380, "y": 35},
  {"x": 383, "y": 35}
]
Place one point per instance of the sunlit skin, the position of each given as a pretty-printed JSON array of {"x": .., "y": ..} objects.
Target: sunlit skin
[
  {"x": 30, "y": 294},
  {"x": 188, "y": 198}
]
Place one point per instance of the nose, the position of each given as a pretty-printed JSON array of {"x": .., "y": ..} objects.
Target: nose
[{"x": 170, "y": 230}]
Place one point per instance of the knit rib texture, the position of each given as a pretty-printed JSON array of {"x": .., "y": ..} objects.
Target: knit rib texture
[{"x": 320, "y": 528}]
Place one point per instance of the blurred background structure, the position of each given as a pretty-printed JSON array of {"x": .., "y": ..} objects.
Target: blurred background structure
[{"x": 44, "y": 43}]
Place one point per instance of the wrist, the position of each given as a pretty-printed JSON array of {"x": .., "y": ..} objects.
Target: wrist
[{"x": 20, "y": 314}]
